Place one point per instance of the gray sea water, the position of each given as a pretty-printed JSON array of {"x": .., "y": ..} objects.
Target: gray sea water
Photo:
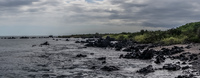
[{"x": 19, "y": 59}]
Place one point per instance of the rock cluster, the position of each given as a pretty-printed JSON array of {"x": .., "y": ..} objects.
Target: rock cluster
[
  {"x": 110, "y": 68},
  {"x": 146, "y": 70}
]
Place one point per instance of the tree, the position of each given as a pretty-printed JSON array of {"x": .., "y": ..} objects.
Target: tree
[
  {"x": 198, "y": 32},
  {"x": 142, "y": 31}
]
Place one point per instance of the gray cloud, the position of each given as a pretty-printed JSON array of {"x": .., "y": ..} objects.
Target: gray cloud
[
  {"x": 159, "y": 13},
  {"x": 100, "y": 15},
  {"x": 15, "y": 3}
]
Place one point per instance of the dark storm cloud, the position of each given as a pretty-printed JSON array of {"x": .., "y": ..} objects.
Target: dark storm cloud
[
  {"x": 99, "y": 15},
  {"x": 158, "y": 13},
  {"x": 15, "y": 3}
]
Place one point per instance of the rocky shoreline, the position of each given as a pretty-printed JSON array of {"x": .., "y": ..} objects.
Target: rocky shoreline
[
  {"x": 106, "y": 58},
  {"x": 188, "y": 58}
]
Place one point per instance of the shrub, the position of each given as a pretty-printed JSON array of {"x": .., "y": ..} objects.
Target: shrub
[
  {"x": 173, "y": 40},
  {"x": 141, "y": 38}
]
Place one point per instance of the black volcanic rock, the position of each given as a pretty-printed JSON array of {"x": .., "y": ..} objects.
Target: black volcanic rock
[
  {"x": 102, "y": 58},
  {"x": 110, "y": 68},
  {"x": 45, "y": 43},
  {"x": 160, "y": 59},
  {"x": 172, "y": 67},
  {"x": 185, "y": 67},
  {"x": 145, "y": 55},
  {"x": 174, "y": 50},
  {"x": 186, "y": 76},
  {"x": 81, "y": 55},
  {"x": 146, "y": 70}
]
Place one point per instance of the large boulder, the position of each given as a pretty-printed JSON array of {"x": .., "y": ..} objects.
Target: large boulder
[
  {"x": 160, "y": 59},
  {"x": 101, "y": 58},
  {"x": 45, "y": 43},
  {"x": 81, "y": 55},
  {"x": 147, "y": 54},
  {"x": 174, "y": 50},
  {"x": 146, "y": 70},
  {"x": 110, "y": 68},
  {"x": 186, "y": 76},
  {"x": 172, "y": 67},
  {"x": 133, "y": 55}
]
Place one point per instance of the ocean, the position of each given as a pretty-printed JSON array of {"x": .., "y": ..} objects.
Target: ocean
[{"x": 25, "y": 58}]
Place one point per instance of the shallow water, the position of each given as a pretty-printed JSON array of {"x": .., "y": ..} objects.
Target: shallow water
[{"x": 18, "y": 59}]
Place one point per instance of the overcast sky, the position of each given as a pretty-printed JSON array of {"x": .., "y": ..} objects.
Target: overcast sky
[{"x": 60, "y": 17}]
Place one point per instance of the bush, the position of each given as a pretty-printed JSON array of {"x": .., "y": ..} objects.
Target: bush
[
  {"x": 141, "y": 38},
  {"x": 172, "y": 40}
]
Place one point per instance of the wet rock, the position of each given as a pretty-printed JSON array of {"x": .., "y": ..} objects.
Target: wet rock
[
  {"x": 102, "y": 58},
  {"x": 81, "y": 47},
  {"x": 45, "y": 76},
  {"x": 110, "y": 39},
  {"x": 133, "y": 55},
  {"x": 193, "y": 57},
  {"x": 32, "y": 76},
  {"x": 184, "y": 63},
  {"x": 185, "y": 67},
  {"x": 172, "y": 67},
  {"x": 134, "y": 48},
  {"x": 90, "y": 44},
  {"x": 130, "y": 49},
  {"x": 160, "y": 59},
  {"x": 33, "y": 45},
  {"x": 42, "y": 65},
  {"x": 99, "y": 43},
  {"x": 147, "y": 54},
  {"x": 44, "y": 69},
  {"x": 186, "y": 57},
  {"x": 188, "y": 47},
  {"x": 152, "y": 46},
  {"x": 110, "y": 68},
  {"x": 45, "y": 43},
  {"x": 24, "y": 37},
  {"x": 11, "y": 38},
  {"x": 182, "y": 57},
  {"x": 174, "y": 50},
  {"x": 43, "y": 56},
  {"x": 77, "y": 42},
  {"x": 178, "y": 62},
  {"x": 121, "y": 56},
  {"x": 93, "y": 67},
  {"x": 146, "y": 70},
  {"x": 91, "y": 53},
  {"x": 81, "y": 55},
  {"x": 62, "y": 76},
  {"x": 118, "y": 48},
  {"x": 103, "y": 62},
  {"x": 186, "y": 76}
]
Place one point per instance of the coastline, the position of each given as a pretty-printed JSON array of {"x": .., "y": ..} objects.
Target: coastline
[{"x": 72, "y": 57}]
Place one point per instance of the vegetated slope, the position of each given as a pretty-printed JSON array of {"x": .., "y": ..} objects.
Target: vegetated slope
[{"x": 187, "y": 33}]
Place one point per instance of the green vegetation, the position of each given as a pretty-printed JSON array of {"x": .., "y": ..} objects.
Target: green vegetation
[{"x": 187, "y": 33}]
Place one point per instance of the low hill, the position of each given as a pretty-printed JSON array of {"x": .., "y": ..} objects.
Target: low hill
[{"x": 187, "y": 33}]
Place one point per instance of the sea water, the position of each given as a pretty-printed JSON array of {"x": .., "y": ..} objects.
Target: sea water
[{"x": 20, "y": 59}]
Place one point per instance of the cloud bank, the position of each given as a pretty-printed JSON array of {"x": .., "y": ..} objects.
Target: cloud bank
[{"x": 60, "y": 17}]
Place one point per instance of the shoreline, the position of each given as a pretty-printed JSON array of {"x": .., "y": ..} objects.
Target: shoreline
[
  {"x": 107, "y": 58},
  {"x": 188, "y": 55}
]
